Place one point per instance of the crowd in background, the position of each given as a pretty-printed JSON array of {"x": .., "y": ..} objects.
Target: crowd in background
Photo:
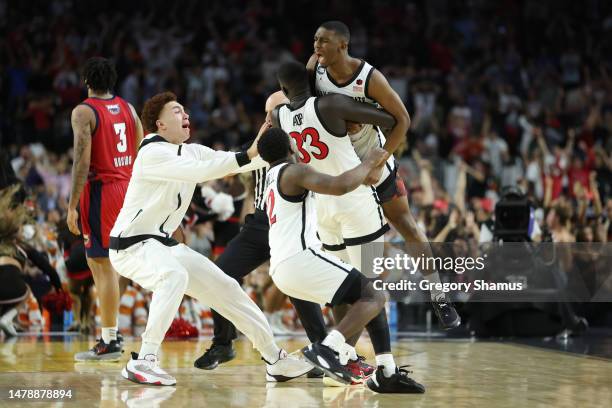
[{"x": 499, "y": 93}]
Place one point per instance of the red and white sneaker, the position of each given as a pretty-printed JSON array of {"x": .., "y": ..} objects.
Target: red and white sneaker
[
  {"x": 366, "y": 369},
  {"x": 146, "y": 371}
]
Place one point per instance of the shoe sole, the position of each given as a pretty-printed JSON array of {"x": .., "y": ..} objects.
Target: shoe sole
[
  {"x": 312, "y": 357},
  {"x": 94, "y": 358},
  {"x": 142, "y": 380},
  {"x": 377, "y": 389},
  {"x": 330, "y": 382}
]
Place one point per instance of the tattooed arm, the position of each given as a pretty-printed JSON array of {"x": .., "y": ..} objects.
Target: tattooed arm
[{"x": 83, "y": 121}]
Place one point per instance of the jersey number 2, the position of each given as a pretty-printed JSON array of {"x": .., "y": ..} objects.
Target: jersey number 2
[
  {"x": 120, "y": 131},
  {"x": 270, "y": 206},
  {"x": 315, "y": 142}
]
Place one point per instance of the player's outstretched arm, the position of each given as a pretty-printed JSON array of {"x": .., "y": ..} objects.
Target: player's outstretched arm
[
  {"x": 83, "y": 120},
  {"x": 380, "y": 90},
  {"x": 299, "y": 177}
]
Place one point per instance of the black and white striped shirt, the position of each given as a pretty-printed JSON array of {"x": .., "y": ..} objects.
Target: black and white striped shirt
[{"x": 259, "y": 183}]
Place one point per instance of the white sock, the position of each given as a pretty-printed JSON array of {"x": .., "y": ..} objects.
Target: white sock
[
  {"x": 109, "y": 334},
  {"x": 148, "y": 348},
  {"x": 436, "y": 294},
  {"x": 388, "y": 363},
  {"x": 334, "y": 340},
  {"x": 270, "y": 353}
]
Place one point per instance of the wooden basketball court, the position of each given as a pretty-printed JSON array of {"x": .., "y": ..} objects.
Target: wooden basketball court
[{"x": 456, "y": 373}]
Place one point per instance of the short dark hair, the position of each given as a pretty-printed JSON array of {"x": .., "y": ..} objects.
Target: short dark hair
[
  {"x": 274, "y": 145},
  {"x": 339, "y": 28},
  {"x": 99, "y": 74},
  {"x": 293, "y": 74},
  {"x": 152, "y": 109}
]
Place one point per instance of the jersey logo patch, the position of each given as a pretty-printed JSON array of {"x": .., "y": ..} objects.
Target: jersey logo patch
[
  {"x": 113, "y": 109},
  {"x": 320, "y": 70}
]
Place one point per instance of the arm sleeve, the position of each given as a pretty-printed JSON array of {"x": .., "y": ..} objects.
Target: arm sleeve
[
  {"x": 159, "y": 163},
  {"x": 42, "y": 263},
  {"x": 256, "y": 163}
]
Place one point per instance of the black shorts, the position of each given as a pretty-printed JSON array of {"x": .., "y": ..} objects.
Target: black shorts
[
  {"x": 392, "y": 187},
  {"x": 13, "y": 289}
]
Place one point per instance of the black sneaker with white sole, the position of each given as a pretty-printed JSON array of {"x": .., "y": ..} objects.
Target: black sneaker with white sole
[
  {"x": 446, "y": 313},
  {"x": 398, "y": 383},
  {"x": 214, "y": 356},
  {"x": 327, "y": 360}
]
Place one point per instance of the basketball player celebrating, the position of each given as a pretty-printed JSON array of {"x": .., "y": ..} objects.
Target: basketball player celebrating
[
  {"x": 247, "y": 251},
  {"x": 335, "y": 71},
  {"x": 351, "y": 225},
  {"x": 106, "y": 132},
  {"x": 166, "y": 172},
  {"x": 300, "y": 269}
]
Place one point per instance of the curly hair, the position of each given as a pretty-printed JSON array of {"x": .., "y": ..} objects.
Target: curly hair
[
  {"x": 12, "y": 216},
  {"x": 99, "y": 74},
  {"x": 273, "y": 145},
  {"x": 152, "y": 109}
]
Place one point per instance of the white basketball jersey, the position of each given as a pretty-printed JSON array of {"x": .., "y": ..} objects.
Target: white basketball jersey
[
  {"x": 292, "y": 219},
  {"x": 317, "y": 147},
  {"x": 356, "y": 88}
]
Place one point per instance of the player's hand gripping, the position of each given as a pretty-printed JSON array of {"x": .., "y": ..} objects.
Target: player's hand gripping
[
  {"x": 375, "y": 159},
  {"x": 252, "y": 151}
]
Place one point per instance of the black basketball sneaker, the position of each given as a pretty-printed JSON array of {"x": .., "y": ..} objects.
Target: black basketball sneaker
[
  {"x": 447, "y": 315},
  {"x": 214, "y": 356},
  {"x": 101, "y": 351},
  {"x": 328, "y": 361},
  {"x": 398, "y": 383}
]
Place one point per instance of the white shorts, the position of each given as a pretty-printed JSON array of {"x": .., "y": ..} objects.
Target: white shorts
[
  {"x": 352, "y": 219},
  {"x": 315, "y": 276}
]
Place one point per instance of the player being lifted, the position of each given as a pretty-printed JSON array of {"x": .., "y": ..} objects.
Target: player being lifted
[{"x": 333, "y": 70}]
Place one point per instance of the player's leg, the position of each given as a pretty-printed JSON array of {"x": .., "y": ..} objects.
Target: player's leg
[
  {"x": 96, "y": 221},
  {"x": 209, "y": 285},
  {"x": 363, "y": 229},
  {"x": 366, "y": 304},
  {"x": 248, "y": 250},
  {"x": 397, "y": 211},
  {"x": 330, "y": 281},
  {"x": 154, "y": 267}
]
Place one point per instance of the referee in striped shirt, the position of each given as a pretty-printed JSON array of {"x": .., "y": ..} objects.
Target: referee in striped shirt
[{"x": 248, "y": 250}]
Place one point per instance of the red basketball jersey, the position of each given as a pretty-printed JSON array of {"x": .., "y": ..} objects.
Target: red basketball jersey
[{"x": 113, "y": 141}]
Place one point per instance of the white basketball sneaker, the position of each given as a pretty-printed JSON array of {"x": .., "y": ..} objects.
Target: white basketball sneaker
[
  {"x": 146, "y": 371},
  {"x": 286, "y": 368}
]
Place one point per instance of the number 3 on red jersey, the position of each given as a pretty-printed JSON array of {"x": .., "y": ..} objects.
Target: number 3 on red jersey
[{"x": 317, "y": 148}]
